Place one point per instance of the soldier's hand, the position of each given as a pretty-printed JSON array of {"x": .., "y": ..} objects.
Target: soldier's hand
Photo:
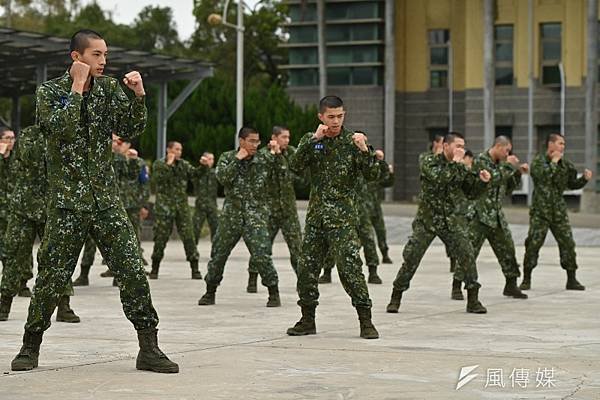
[
  {"x": 170, "y": 158},
  {"x": 556, "y": 156},
  {"x": 485, "y": 175},
  {"x": 524, "y": 168},
  {"x": 360, "y": 141},
  {"x": 133, "y": 80},
  {"x": 3, "y": 147},
  {"x": 587, "y": 174},
  {"x": 379, "y": 154},
  {"x": 512, "y": 159},
  {"x": 391, "y": 168},
  {"x": 459, "y": 155},
  {"x": 274, "y": 147},
  {"x": 79, "y": 73},
  {"x": 132, "y": 153},
  {"x": 204, "y": 161},
  {"x": 144, "y": 213},
  {"x": 320, "y": 133},
  {"x": 241, "y": 154}
]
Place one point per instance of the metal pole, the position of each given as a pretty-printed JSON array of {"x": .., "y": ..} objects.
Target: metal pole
[
  {"x": 450, "y": 88},
  {"x": 41, "y": 74},
  {"x": 488, "y": 72},
  {"x": 161, "y": 123},
  {"x": 15, "y": 120},
  {"x": 239, "y": 97},
  {"x": 322, "y": 50},
  {"x": 390, "y": 88},
  {"x": 591, "y": 116},
  {"x": 530, "y": 99},
  {"x": 563, "y": 96}
]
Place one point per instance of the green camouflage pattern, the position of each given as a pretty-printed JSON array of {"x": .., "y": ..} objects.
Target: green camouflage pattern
[
  {"x": 376, "y": 196},
  {"x": 206, "y": 189}
]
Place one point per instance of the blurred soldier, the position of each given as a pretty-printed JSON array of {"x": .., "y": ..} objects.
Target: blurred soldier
[
  {"x": 244, "y": 175},
  {"x": 335, "y": 157},
  {"x": 281, "y": 200},
  {"x": 444, "y": 180},
  {"x": 76, "y": 114},
  {"x": 7, "y": 142},
  {"x": 27, "y": 219},
  {"x": 489, "y": 222},
  {"x": 171, "y": 176},
  {"x": 552, "y": 174},
  {"x": 205, "y": 190},
  {"x": 376, "y": 196}
]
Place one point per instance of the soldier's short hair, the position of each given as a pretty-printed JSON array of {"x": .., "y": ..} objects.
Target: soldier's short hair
[
  {"x": 277, "y": 129},
  {"x": 172, "y": 143},
  {"x": 502, "y": 140},
  {"x": 81, "y": 39},
  {"x": 330, "y": 102},
  {"x": 452, "y": 136},
  {"x": 207, "y": 153},
  {"x": 553, "y": 137},
  {"x": 469, "y": 153},
  {"x": 245, "y": 131},
  {"x": 4, "y": 129},
  {"x": 434, "y": 139}
]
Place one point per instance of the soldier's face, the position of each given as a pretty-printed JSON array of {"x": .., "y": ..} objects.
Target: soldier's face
[
  {"x": 94, "y": 55},
  {"x": 9, "y": 138},
  {"x": 449, "y": 148},
  {"x": 502, "y": 151},
  {"x": 211, "y": 159},
  {"x": 125, "y": 146},
  {"x": 250, "y": 143},
  {"x": 334, "y": 119},
  {"x": 177, "y": 150},
  {"x": 116, "y": 144},
  {"x": 437, "y": 146},
  {"x": 558, "y": 146},
  {"x": 283, "y": 139}
]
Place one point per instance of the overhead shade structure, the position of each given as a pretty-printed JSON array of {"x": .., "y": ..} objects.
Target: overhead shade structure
[{"x": 29, "y": 58}]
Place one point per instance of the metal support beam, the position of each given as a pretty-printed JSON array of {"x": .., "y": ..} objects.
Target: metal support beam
[
  {"x": 530, "y": 90},
  {"x": 322, "y": 50},
  {"x": 489, "y": 125},
  {"x": 390, "y": 88},
  {"x": 591, "y": 116},
  {"x": 15, "y": 119},
  {"x": 185, "y": 93},
  {"x": 161, "y": 123},
  {"x": 41, "y": 74}
]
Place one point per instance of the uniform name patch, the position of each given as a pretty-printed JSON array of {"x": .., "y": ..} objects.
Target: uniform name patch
[{"x": 319, "y": 146}]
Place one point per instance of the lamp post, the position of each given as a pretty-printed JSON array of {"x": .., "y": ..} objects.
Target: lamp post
[{"x": 216, "y": 19}]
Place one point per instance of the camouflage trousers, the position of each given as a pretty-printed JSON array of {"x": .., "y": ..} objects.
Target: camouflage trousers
[
  {"x": 344, "y": 243},
  {"x": 65, "y": 233},
  {"x": 162, "y": 228},
  {"x": 289, "y": 223},
  {"x": 3, "y": 225},
  {"x": 89, "y": 248},
  {"x": 500, "y": 239},
  {"x": 457, "y": 242},
  {"x": 208, "y": 214},
  {"x": 232, "y": 227},
  {"x": 561, "y": 229},
  {"x": 376, "y": 217}
]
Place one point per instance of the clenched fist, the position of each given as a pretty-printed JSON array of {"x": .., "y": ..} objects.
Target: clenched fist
[
  {"x": 133, "y": 80},
  {"x": 360, "y": 140}
]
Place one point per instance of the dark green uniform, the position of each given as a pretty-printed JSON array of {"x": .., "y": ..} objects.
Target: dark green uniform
[
  {"x": 6, "y": 187},
  {"x": 283, "y": 213},
  {"x": 549, "y": 210},
  {"x": 171, "y": 207},
  {"x": 83, "y": 195},
  {"x": 205, "y": 190},
  {"x": 376, "y": 196}
]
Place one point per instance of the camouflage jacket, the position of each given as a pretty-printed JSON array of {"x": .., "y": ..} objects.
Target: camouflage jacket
[
  {"x": 245, "y": 183},
  {"x": 280, "y": 187},
  {"x": 334, "y": 164},
  {"x": 550, "y": 180},
  {"x": 206, "y": 187},
  {"x": 7, "y": 181},
  {"x": 171, "y": 182},
  {"x": 505, "y": 178},
  {"x": 78, "y": 131},
  {"x": 375, "y": 189},
  {"x": 143, "y": 184},
  {"x": 127, "y": 171},
  {"x": 28, "y": 197},
  {"x": 444, "y": 187}
]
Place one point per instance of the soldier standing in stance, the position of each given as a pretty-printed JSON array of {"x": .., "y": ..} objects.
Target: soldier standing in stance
[
  {"x": 171, "y": 176},
  {"x": 444, "y": 181},
  {"x": 205, "y": 189},
  {"x": 7, "y": 142},
  {"x": 244, "y": 174},
  {"x": 552, "y": 174},
  {"x": 334, "y": 157},
  {"x": 77, "y": 113},
  {"x": 376, "y": 196}
]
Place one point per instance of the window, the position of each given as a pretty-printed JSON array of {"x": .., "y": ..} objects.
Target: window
[
  {"x": 354, "y": 10},
  {"x": 350, "y": 33},
  {"x": 303, "y": 55},
  {"x": 344, "y": 76},
  {"x": 551, "y": 53},
  {"x": 299, "y": 13},
  {"x": 354, "y": 54},
  {"x": 304, "y": 77},
  {"x": 438, "y": 58},
  {"x": 503, "y": 47},
  {"x": 303, "y": 34}
]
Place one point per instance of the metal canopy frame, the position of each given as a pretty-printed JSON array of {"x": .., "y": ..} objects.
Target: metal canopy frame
[{"x": 27, "y": 59}]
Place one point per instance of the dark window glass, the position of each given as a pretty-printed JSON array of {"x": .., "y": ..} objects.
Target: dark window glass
[
  {"x": 438, "y": 79},
  {"x": 338, "y": 76},
  {"x": 551, "y": 75},
  {"x": 438, "y": 56},
  {"x": 298, "y": 13},
  {"x": 303, "y": 77},
  {"x": 551, "y": 53},
  {"x": 504, "y": 76},
  {"x": 364, "y": 76},
  {"x": 303, "y": 34},
  {"x": 303, "y": 55}
]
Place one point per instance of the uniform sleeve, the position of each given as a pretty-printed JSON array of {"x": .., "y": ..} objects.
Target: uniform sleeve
[
  {"x": 573, "y": 182},
  {"x": 58, "y": 115},
  {"x": 129, "y": 116},
  {"x": 368, "y": 163},
  {"x": 512, "y": 176},
  {"x": 300, "y": 161},
  {"x": 161, "y": 173},
  {"x": 144, "y": 188},
  {"x": 227, "y": 169},
  {"x": 472, "y": 185}
]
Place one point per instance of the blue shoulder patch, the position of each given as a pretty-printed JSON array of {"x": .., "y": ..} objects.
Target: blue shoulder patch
[
  {"x": 319, "y": 146},
  {"x": 64, "y": 100}
]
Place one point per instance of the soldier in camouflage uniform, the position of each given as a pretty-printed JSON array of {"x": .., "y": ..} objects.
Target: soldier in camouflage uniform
[
  {"x": 552, "y": 174},
  {"x": 334, "y": 157},
  {"x": 77, "y": 113},
  {"x": 171, "y": 176},
  {"x": 489, "y": 222},
  {"x": 244, "y": 175},
  {"x": 27, "y": 219},
  {"x": 376, "y": 196},
  {"x": 444, "y": 179},
  {"x": 205, "y": 190},
  {"x": 281, "y": 201},
  {"x": 7, "y": 142}
]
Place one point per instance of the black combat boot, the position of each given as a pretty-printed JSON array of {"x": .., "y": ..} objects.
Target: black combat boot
[
  {"x": 367, "y": 330},
  {"x": 457, "y": 293},
  {"x": 326, "y": 277},
  {"x": 209, "y": 297},
  {"x": 64, "y": 313},
  {"x": 385, "y": 258},
  {"x": 373, "y": 277},
  {"x": 24, "y": 290},
  {"x": 5, "y": 303},
  {"x": 114, "y": 282},
  {"x": 511, "y": 289},
  {"x": 252, "y": 278},
  {"x": 306, "y": 325},
  {"x": 107, "y": 274},
  {"x": 526, "y": 283},
  {"x": 572, "y": 283},
  {"x": 150, "y": 357},
  {"x": 195, "y": 271},
  {"x": 154, "y": 272},
  {"x": 274, "y": 300},
  {"x": 83, "y": 278},
  {"x": 473, "y": 304},
  {"x": 27, "y": 359},
  {"x": 394, "y": 301}
]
